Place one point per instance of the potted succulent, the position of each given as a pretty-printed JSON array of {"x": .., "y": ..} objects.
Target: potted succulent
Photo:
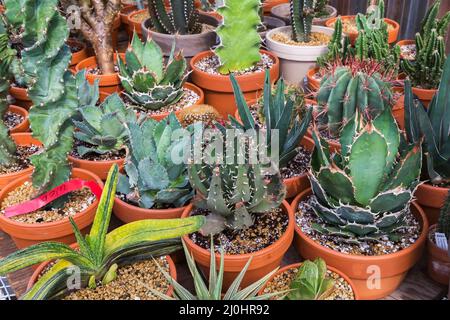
[
  {"x": 311, "y": 280},
  {"x": 298, "y": 46},
  {"x": 322, "y": 7},
  {"x": 153, "y": 87},
  {"x": 407, "y": 49},
  {"x": 294, "y": 153},
  {"x": 154, "y": 185},
  {"x": 15, "y": 119},
  {"x": 426, "y": 70},
  {"x": 181, "y": 24},
  {"x": 368, "y": 227},
  {"x": 79, "y": 52},
  {"x": 105, "y": 260},
  {"x": 236, "y": 54}
]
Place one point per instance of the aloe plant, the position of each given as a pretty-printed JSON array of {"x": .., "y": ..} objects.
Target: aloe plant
[
  {"x": 182, "y": 18},
  {"x": 100, "y": 253}
]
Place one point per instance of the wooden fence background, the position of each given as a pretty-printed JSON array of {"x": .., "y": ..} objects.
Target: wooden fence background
[{"x": 409, "y": 13}]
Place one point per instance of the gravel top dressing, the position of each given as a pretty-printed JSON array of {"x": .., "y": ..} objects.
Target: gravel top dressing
[
  {"x": 317, "y": 39},
  {"x": 12, "y": 119},
  {"x": 211, "y": 64},
  {"x": 23, "y": 154}
]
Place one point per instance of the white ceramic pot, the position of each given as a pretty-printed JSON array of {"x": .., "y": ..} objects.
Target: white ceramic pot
[{"x": 295, "y": 61}]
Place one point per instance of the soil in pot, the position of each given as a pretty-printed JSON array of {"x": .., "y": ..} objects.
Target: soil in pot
[
  {"x": 317, "y": 39},
  {"x": 23, "y": 154},
  {"x": 12, "y": 120},
  {"x": 92, "y": 156},
  {"x": 438, "y": 265},
  {"x": 408, "y": 49}
]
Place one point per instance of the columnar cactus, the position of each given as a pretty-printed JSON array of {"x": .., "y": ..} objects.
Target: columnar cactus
[
  {"x": 364, "y": 192},
  {"x": 359, "y": 86},
  {"x": 182, "y": 19},
  {"x": 239, "y": 38},
  {"x": 425, "y": 72},
  {"x": 338, "y": 50},
  {"x": 302, "y": 16},
  {"x": 149, "y": 83}
]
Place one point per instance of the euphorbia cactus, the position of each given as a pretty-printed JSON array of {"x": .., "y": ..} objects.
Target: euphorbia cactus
[
  {"x": 239, "y": 38},
  {"x": 302, "y": 16},
  {"x": 182, "y": 18},
  {"x": 149, "y": 83}
]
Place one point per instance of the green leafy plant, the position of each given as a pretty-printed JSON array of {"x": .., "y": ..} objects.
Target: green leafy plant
[
  {"x": 214, "y": 290},
  {"x": 239, "y": 38},
  {"x": 311, "y": 282},
  {"x": 149, "y": 83},
  {"x": 102, "y": 128},
  {"x": 183, "y": 18},
  {"x": 426, "y": 71},
  {"x": 364, "y": 192},
  {"x": 152, "y": 179},
  {"x": 99, "y": 254},
  {"x": 279, "y": 114}
]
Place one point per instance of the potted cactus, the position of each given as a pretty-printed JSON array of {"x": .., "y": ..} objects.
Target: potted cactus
[
  {"x": 322, "y": 7},
  {"x": 426, "y": 70},
  {"x": 153, "y": 87},
  {"x": 181, "y": 24},
  {"x": 369, "y": 225},
  {"x": 154, "y": 185},
  {"x": 298, "y": 46},
  {"x": 104, "y": 258},
  {"x": 235, "y": 55}
]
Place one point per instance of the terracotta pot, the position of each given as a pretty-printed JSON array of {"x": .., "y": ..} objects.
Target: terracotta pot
[
  {"x": 124, "y": 18},
  {"x": 21, "y": 97},
  {"x": 2, "y": 9},
  {"x": 431, "y": 199},
  {"x": 313, "y": 83},
  {"x": 78, "y": 56},
  {"x": 115, "y": 32},
  {"x": 35, "y": 276},
  {"x": 269, "y": 4},
  {"x": 218, "y": 90},
  {"x": 398, "y": 111},
  {"x": 263, "y": 262},
  {"x": 136, "y": 26},
  {"x": 438, "y": 265},
  {"x": 405, "y": 43},
  {"x": 392, "y": 37},
  {"x": 25, "y": 234},
  {"x": 283, "y": 12},
  {"x": 392, "y": 267},
  {"x": 298, "y": 265},
  {"x": 99, "y": 168},
  {"x": 108, "y": 83},
  {"x": 21, "y": 139},
  {"x": 25, "y": 124},
  {"x": 129, "y": 213},
  {"x": 424, "y": 95}
]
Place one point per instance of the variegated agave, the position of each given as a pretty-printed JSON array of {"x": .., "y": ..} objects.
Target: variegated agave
[
  {"x": 148, "y": 82},
  {"x": 365, "y": 191}
]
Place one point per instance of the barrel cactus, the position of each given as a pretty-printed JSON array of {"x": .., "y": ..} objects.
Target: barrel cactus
[
  {"x": 183, "y": 18},
  {"x": 149, "y": 83}
]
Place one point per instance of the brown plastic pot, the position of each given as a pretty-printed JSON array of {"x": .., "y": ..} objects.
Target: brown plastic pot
[
  {"x": 269, "y": 4},
  {"x": 313, "y": 83},
  {"x": 405, "y": 43},
  {"x": 108, "y": 83},
  {"x": 263, "y": 262},
  {"x": 25, "y": 124},
  {"x": 99, "y": 168},
  {"x": 438, "y": 265},
  {"x": 37, "y": 273},
  {"x": 392, "y": 37},
  {"x": 431, "y": 199},
  {"x": 21, "y": 139},
  {"x": 26, "y": 234},
  {"x": 21, "y": 97},
  {"x": 78, "y": 56},
  {"x": 360, "y": 269},
  {"x": 424, "y": 95},
  {"x": 298, "y": 265},
  {"x": 218, "y": 90}
]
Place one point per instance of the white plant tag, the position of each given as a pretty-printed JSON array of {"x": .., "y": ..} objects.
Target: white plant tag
[{"x": 441, "y": 241}]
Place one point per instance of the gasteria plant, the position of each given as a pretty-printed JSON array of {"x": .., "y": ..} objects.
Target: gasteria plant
[
  {"x": 364, "y": 192},
  {"x": 102, "y": 127},
  {"x": 239, "y": 38},
  {"x": 425, "y": 72},
  {"x": 147, "y": 81},
  {"x": 153, "y": 179},
  {"x": 99, "y": 254},
  {"x": 182, "y": 18}
]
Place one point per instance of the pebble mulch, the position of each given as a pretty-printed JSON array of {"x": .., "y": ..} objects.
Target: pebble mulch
[
  {"x": 23, "y": 155},
  {"x": 317, "y": 39},
  {"x": 408, "y": 52},
  {"x": 297, "y": 166},
  {"x": 12, "y": 119},
  {"x": 211, "y": 64}
]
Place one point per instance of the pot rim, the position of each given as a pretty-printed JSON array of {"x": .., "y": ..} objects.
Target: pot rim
[
  {"x": 91, "y": 62},
  {"x": 22, "y": 112},
  {"x": 330, "y": 21},
  {"x": 90, "y": 162},
  {"x": 432, "y": 188},
  {"x": 131, "y": 207}
]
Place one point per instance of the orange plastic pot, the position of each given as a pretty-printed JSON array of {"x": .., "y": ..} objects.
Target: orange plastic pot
[
  {"x": 25, "y": 234},
  {"x": 21, "y": 139},
  {"x": 25, "y": 124},
  {"x": 218, "y": 90},
  {"x": 128, "y": 213},
  {"x": 99, "y": 168},
  {"x": 398, "y": 111},
  {"x": 21, "y": 97},
  {"x": 424, "y": 95},
  {"x": 78, "y": 56},
  {"x": 36, "y": 274},
  {"x": 269, "y": 4},
  {"x": 313, "y": 83},
  {"x": 374, "y": 277},
  {"x": 431, "y": 199},
  {"x": 438, "y": 264},
  {"x": 393, "y": 33},
  {"x": 263, "y": 261},
  {"x": 108, "y": 83},
  {"x": 134, "y": 25},
  {"x": 298, "y": 265}
]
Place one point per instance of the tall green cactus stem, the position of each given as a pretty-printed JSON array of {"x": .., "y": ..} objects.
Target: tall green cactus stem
[
  {"x": 239, "y": 38},
  {"x": 425, "y": 72},
  {"x": 338, "y": 50},
  {"x": 182, "y": 19},
  {"x": 302, "y": 16}
]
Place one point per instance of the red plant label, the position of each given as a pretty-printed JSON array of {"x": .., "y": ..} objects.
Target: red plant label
[{"x": 52, "y": 195}]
